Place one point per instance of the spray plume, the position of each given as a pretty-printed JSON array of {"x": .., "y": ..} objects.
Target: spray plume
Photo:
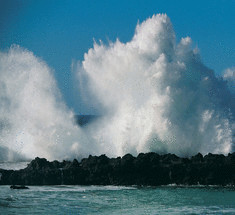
[
  {"x": 157, "y": 95},
  {"x": 153, "y": 95}
]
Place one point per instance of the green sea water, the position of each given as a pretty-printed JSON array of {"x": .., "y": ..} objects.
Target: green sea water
[{"x": 103, "y": 200}]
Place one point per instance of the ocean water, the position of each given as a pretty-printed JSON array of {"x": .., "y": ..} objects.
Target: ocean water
[{"x": 103, "y": 200}]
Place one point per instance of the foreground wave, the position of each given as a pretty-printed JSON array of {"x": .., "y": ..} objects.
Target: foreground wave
[{"x": 146, "y": 169}]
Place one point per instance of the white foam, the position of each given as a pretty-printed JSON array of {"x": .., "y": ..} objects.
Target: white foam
[
  {"x": 153, "y": 95},
  {"x": 157, "y": 95},
  {"x": 33, "y": 118}
]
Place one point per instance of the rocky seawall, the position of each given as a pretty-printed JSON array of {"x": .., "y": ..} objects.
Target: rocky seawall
[{"x": 149, "y": 169}]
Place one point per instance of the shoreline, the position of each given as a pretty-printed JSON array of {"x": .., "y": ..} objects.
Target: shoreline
[{"x": 147, "y": 169}]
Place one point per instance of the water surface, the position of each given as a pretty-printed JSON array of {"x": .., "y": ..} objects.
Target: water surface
[{"x": 117, "y": 200}]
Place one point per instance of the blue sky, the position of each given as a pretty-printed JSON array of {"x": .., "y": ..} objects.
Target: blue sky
[{"x": 62, "y": 31}]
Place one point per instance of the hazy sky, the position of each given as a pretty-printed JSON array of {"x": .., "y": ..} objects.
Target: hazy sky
[{"x": 62, "y": 31}]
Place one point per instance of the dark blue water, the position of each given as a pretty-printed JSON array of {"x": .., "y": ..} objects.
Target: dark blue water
[{"x": 117, "y": 200}]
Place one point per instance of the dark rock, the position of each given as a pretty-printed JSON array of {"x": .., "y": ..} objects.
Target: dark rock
[
  {"x": 22, "y": 187},
  {"x": 39, "y": 164},
  {"x": 169, "y": 158},
  {"x": 145, "y": 169},
  {"x": 197, "y": 158},
  {"x": 55, "y": 164}
]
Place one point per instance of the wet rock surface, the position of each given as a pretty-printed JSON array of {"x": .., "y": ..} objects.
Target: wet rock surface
[
  {"x": 146, "y": 169},
  {"x": 21, "y": 187}
]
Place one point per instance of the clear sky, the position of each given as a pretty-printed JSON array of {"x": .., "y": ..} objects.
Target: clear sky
[{"x": 62, "y": 31}]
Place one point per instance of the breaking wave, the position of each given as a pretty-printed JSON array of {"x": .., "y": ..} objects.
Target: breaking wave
[{"x": 152, "y": 94}]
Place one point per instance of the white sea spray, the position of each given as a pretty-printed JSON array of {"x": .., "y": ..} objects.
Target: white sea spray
[{"x": 152, "y": 94}]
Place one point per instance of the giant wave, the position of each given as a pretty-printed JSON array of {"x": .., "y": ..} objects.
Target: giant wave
[{"x": 153, "y": 94}]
